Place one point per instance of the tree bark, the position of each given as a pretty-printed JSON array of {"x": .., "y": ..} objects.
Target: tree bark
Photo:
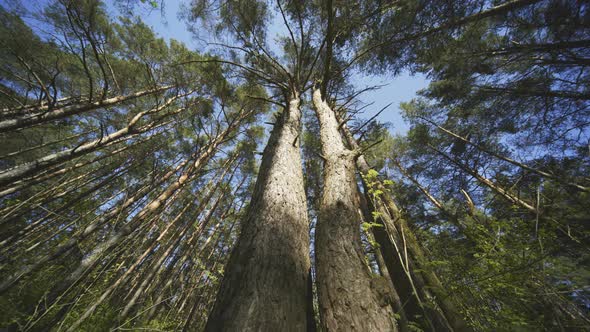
[
  {"x": 350, "y": 298},
  {"x": 265, "y": 281}
]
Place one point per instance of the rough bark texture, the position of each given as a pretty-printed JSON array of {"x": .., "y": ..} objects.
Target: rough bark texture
[
  {"x": 350, "y": 298},
  {"x": 265, "y": 283}
]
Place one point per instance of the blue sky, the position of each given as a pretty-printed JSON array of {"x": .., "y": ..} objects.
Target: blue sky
[{"x": 398, "y": 89}]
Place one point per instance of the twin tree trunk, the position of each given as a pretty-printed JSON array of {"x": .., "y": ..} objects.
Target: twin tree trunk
[
  {"x": 350, "y": 298},
  {"x": 265, "y": 285}
]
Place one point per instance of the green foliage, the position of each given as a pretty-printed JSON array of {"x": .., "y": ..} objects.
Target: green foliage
[
  {"x": 152, "y": 3},
  {"x": 415, "y": 327}
]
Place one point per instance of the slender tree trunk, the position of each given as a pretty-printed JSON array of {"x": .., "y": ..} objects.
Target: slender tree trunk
[
  {"x": 11, "y": 175},
  {"x": 173, "y": 242},
  {"x": 42, "y": 145},
  {"x": 147, "y": 279},
  {"x": 350, "y": 298},
  {"x": 488, "y": 183},
  {"x": 115, "y": 238},
  {"x": 56, "y": 214},
  {"x": 453, "y": 218},
  {"x": 46, "y": 115},
  {"x": 265, "y": 284},
  {"x": 396, "y": 303},
  {"x": 416, "y": 284},
  {"x": 42, "y": 105},
  {"x": 53, "y": 172},
  {"x": 189, "y": 251},
  {"x": 94, "y": 226}
]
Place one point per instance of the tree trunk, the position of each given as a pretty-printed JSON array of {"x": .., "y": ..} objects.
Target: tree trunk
[
  {"x": 485, "y": 181},
  {"x": 265, "y": 283},
  {"x": 91, "y": 228},
  {"x": 46, "y": 115},
  {"x": 11, "y": 175},
  {"x": 399, "y": 308},
  {"x": 350, "y": 298},
  {"x": 172, "y": 243},
  {"x": 413, "y": 279}
]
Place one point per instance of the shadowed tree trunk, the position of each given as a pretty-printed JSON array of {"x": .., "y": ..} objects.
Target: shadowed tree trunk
[
  {"x": 418, "y": 287},
  {"x": 398, "y": 307},
  {"x": 350, "y": 298},
  {"x": 265, "y": 283}
]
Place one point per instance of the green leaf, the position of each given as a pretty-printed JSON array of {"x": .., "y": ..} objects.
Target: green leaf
[{"x": 376, "y": 215}]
